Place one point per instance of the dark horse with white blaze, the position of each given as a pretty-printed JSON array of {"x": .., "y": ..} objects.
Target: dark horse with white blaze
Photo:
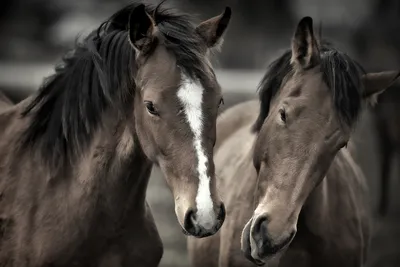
[
  {"x": 75, "y": 158},
  {"x": 293, "y": 193}
]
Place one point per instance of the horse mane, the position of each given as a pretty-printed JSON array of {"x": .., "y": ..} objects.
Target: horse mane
[
  {"x": 340, "y": 72},
  {"x": 98, "y": 75}
]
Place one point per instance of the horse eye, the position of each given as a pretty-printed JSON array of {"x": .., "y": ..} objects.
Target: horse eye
[
  {"x": 282, "y": 114},
  {"x": 221, "y": 102},
  {"x": 150, "y": 108}
]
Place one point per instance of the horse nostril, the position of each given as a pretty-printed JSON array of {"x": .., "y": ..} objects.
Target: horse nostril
[
  {"x": 260, "y": 227},
  {"x": 190, "y": 218},
  {"x": 265, "y": 245},
  {"x": 222, "y": 213},
  {"x": 202, "y": 227}
]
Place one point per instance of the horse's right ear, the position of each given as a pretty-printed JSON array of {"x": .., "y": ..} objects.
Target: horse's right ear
[
  {"x": 141, "y": 27},
  {"x": 212, "y": 30},
  {"x": 305, "y": 50},
  {"x": 377, "y": 83}
]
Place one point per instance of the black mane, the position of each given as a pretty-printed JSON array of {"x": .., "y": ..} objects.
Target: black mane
[
  {"x": 98, "y": 75},
  {"x": 341, "y": 73}
]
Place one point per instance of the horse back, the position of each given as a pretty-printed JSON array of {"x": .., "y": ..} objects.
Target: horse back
[
  {"x": 234, "y": 140},
  {"x": 235, "y": 118}
]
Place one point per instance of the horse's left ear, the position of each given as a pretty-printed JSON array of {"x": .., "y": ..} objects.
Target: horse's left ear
[
  {"x": 305, "y": 50},
  {"x": 141, "y": 27},
  {"x": 377, "y": 83},
  {"x": 213, "y": 29}
]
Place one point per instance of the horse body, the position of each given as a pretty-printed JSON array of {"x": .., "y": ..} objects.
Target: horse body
[
  {"x": 294, "y": 194},
  {"x": 73, "y": 220},
  {"x": 76, "y": 157},
  {"x": 387, "y": 124},
  {"x": 377, "y": 48},
  {"x": 333, "y": 228}
]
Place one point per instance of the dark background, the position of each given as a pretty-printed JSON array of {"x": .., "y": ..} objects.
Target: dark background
[{"x": 35, "y": 33}]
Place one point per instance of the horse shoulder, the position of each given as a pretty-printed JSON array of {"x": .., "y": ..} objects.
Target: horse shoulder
[{"x": 139, "y": 244}]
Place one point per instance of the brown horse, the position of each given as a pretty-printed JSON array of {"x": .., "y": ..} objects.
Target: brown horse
[
  {"x": 378, "y": 47},
  {"x": 294, "y": 195},
  {"x": 75, "y": 159},
  {"x": 386, "y": 118}
]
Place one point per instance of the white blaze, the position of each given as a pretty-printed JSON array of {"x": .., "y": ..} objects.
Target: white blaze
[{"x": 191, "y": 96}]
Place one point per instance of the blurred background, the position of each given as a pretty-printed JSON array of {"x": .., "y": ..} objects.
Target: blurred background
[{"x": 36, "y": 33}]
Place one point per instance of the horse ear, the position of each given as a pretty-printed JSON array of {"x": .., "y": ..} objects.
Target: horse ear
[
  {"x": 305, "y": 50},
  {"x": 141, "y": 27},
  {"x": 377, "y": 83},
  {"x": 213, "y": 29}
]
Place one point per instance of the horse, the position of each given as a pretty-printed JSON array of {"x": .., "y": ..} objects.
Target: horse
[
  {"x": 387, "y": 124},
  {"x": 378, "y": 48},
  {"x": 75, "y": 157},
  {"x": 294, "y": 195}
]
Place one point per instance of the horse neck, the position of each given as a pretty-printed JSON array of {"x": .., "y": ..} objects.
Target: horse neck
[
  {"x": 112, "y": 171},
  {"x": 119, "y": 163},
  {"x": 338, "y": 200}
]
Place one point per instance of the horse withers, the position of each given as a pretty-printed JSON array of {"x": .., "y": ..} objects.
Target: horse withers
[
  {"x": 76, "y": 157},
  {"x": 294, "y": 194}
]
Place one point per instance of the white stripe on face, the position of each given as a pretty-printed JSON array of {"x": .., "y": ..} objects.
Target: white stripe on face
[{"x": 191, "y": 94}]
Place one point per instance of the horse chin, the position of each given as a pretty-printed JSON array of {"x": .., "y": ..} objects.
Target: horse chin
[
  {"x": 252, "y": 253},
  {"x": 246, "y": 247},
  {"x": 266, "y": 259},
  {"x": 256, "y": 261},
  {"x": 249, "y": 255},
  {"x": 254, "y": 257},
  {"x": 185, "y": 232}
]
